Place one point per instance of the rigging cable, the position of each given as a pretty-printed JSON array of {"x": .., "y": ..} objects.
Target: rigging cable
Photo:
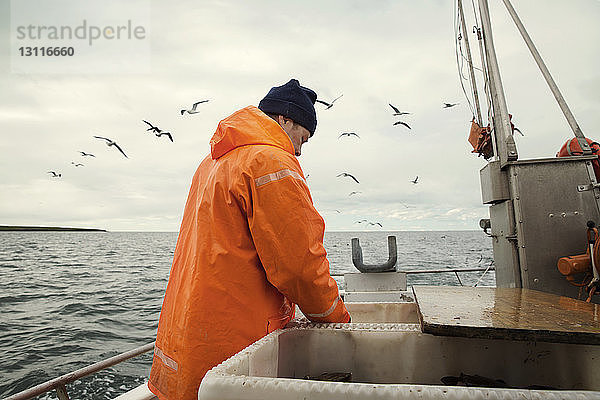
[
  {"x": 484, "y": 272},
  {"x": 471, "y": 80},
  {"x": 486, "y": 80},
  {"x": 474, "y": 67},
  {"x": 459, "y": 64}
]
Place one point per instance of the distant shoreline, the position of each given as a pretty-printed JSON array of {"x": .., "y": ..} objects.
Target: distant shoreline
[{"x": 47, "y": 229}]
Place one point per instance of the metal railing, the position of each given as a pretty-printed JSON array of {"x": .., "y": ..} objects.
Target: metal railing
[
  {"x": 445, "y": 270},
  {"x": 390, "y": 264},
  {"x": 59, "y": 384},
  {"x": 438, "y": 271}
]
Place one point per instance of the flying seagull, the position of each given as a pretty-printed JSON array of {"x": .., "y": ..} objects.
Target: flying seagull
[
  {"x": 110, "y": 142},
  {"x": 361, "y": 221},
  {"x": 54, "y": 174},
  {"x": 402, "y": 123},
  {"x": 448, "y": 105},
  {"x": 518, "y": 130},
  {"x": 415, "y": 181},
  {"x": 353, "y": 193},
  {"x": 329, "y": 105},
  {"x": 83, "y": 154},
  {"x": 193, "y": 109},
  {"x": 348, "y": 134},
  {"x": 152, "y": 127},
  {"x": 165, "y": 133},
  {"x": 347, "y": 174},
  {"x": 77, "y": 164},
  {"x": 375, "y": 223},
  {"x": 396, "y": 111}
]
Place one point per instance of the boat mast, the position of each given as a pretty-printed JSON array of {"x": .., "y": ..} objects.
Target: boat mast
[
  {"x": 486, "y": 80},
  {"x": 502, "y": 131},
  {"x": 470, "y": 61},
  {"x": 553, "y": 87}
]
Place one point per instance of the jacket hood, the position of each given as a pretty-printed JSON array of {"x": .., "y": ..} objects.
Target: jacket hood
[{"x": 248, "y": 126}]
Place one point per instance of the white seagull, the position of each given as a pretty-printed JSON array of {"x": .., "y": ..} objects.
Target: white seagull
[
  {"x": 402, "y": 123},
  {"x": 396, "y": 111},
  {"x": 110, "y": 142},
  {"x": 329, "y": 105},
  {"x": 193, "y": 109},
  {"x": 448, "y": 105},
  {"x": 165, "y": 133},
  {"x": 348, "y": 175},
  {"x": 152, "y": 127}
]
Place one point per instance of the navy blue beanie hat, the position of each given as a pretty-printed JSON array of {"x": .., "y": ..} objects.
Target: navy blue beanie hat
[{"x": 294, "y": 102}]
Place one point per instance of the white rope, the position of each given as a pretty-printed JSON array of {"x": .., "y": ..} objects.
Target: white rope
[{"x": 484, "y": 272}]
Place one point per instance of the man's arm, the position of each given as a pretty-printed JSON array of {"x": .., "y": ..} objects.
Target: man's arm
[{"x": 288, "y": 234}]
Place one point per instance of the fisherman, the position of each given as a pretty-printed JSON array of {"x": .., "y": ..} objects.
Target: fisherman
[{"x": 250, "y": 245}]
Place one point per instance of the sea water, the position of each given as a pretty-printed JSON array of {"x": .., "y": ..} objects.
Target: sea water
[{"x": 70, "y": 299}]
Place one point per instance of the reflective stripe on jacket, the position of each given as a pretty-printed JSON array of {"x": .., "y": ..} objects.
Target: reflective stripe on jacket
[{"x": 249, "y": 247}]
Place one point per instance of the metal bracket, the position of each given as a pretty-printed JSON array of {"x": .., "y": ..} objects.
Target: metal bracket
[
  {"x": 388, "y": 266},
  {"x": 583, "y": 144},
  {"x": 486, "y": 224},
  {"x": 591, "y": 186}
]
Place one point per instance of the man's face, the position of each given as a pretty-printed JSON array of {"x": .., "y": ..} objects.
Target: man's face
[{"x": 297, "y": 133}]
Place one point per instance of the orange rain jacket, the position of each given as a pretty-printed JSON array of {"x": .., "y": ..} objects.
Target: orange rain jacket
[{"x": 249, "y": 247}]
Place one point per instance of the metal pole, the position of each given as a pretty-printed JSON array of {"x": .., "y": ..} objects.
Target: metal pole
[
  {"x": 59, "y": 383},
  {"x": 502, "y": 129},
  {"x": 470, "y": 61},
  {"x": 553, "y": 87},
  {"x": 438, "y": 271},
  {"x": 458, "y": 277},
  {"x": 61, "y": 392},
  {"x": 486, "y": 85}
]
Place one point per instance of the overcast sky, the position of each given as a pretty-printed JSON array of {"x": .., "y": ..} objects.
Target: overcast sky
[{"x": 232, "y": 52}]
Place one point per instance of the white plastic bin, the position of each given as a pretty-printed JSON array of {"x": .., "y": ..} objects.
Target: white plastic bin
[{"x": 397, "y": 361}]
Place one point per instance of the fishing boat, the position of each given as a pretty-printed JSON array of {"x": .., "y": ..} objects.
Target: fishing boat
[{"x": 536, "y": 335}]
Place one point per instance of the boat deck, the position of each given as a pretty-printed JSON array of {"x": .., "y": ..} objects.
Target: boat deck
[{"x": 505, "y": 313}]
